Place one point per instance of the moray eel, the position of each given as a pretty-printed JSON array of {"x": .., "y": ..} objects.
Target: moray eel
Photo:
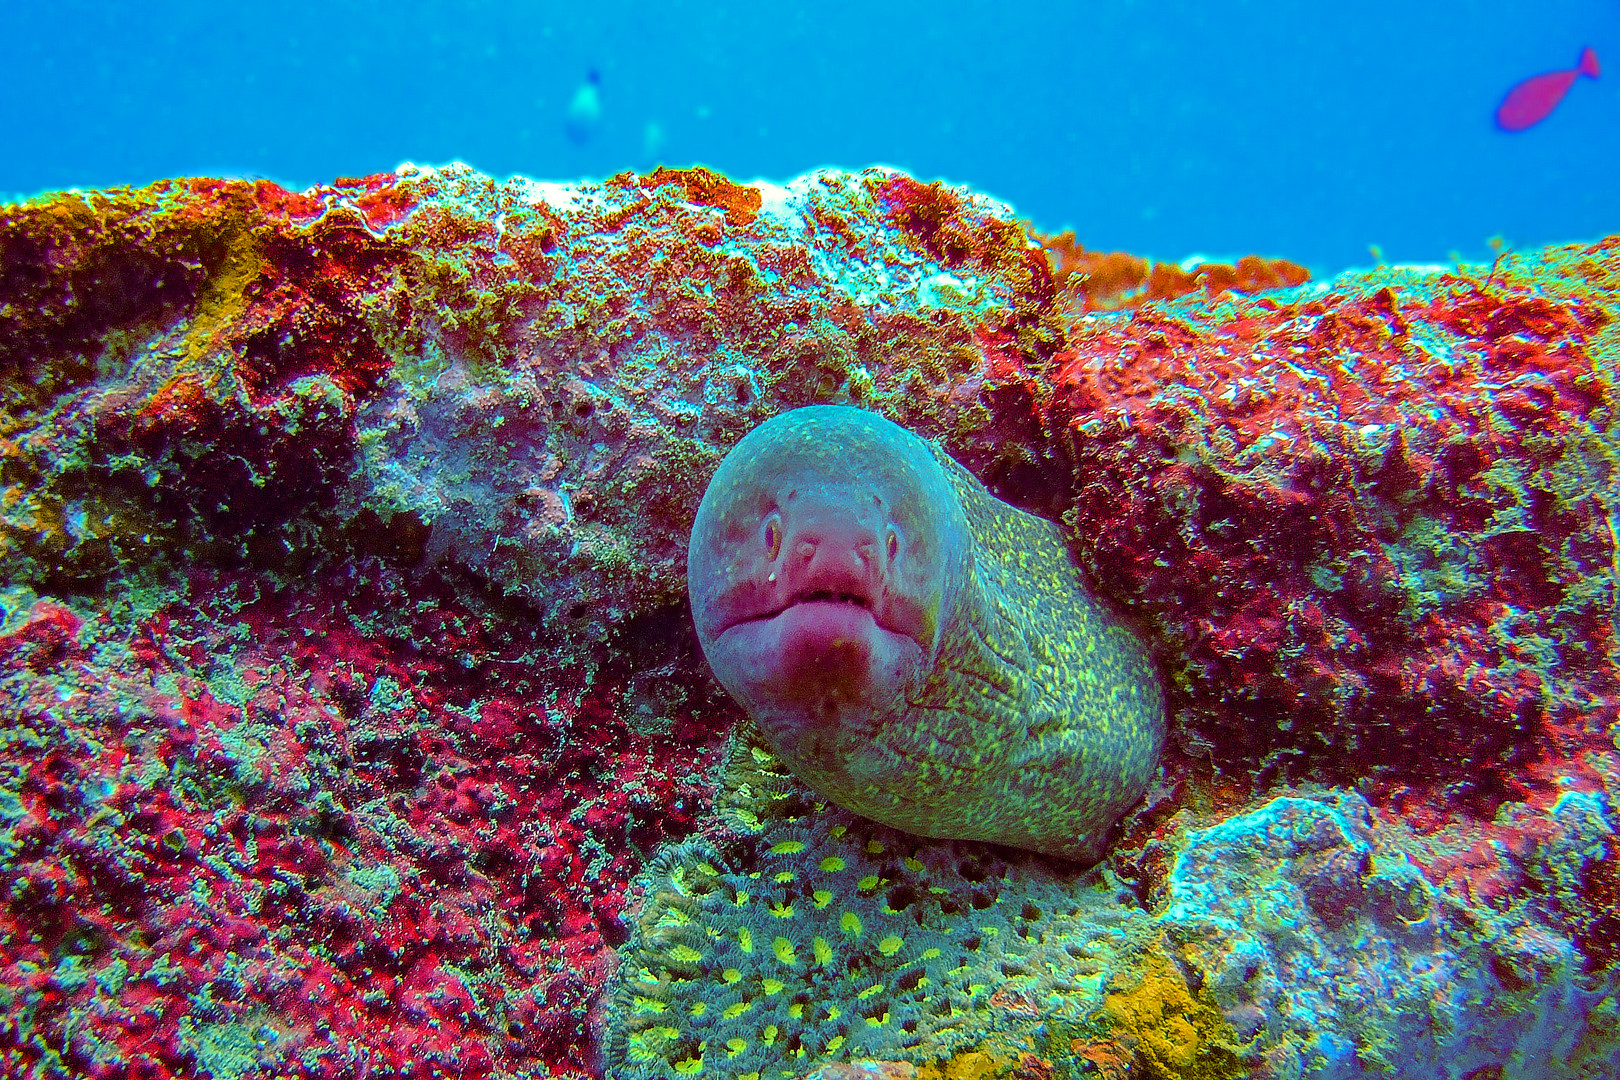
[{"x": 913, "y": 648}]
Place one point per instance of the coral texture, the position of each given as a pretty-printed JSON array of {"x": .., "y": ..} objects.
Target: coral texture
[
  {"x": 810, "y": 934},
  {"x": 1302, "y": 938},
  {"x": 355, "y": 723}
]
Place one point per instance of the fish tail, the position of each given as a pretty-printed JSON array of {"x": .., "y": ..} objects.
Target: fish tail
[{"x": 1588, "y": 65}]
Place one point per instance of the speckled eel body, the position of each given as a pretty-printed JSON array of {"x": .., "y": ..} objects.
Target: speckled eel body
[{"x": 913, "y": 648}]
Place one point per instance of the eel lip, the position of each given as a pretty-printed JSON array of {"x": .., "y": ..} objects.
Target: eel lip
[
  {"x": 758, "y": 603},
  {"x": 805, "y": 596}
]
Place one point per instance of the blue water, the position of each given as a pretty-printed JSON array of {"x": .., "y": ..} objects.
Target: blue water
[{"x": 1305, "y": 129}]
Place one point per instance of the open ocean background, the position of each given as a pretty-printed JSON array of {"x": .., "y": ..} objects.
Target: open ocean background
[{"x": 1306, "y": 130}]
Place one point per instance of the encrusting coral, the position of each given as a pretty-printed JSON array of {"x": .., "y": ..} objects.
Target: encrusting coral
[{"x": 807, "y": 934}]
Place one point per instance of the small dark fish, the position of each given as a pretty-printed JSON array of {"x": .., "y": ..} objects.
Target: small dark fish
[
  {"x": 1529, "y": 103},
  {"x": 584, "y": 113}
]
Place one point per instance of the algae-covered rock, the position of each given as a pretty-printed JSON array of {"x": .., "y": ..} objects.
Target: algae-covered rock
[{"x": 355, "y": 724}]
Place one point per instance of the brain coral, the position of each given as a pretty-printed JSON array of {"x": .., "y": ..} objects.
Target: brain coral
[
  {"x": 850, "y": 941},
  {"x": 813, "y": 935}
]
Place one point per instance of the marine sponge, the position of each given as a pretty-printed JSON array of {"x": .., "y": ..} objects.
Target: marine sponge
[{"x": 823, "y": 937}]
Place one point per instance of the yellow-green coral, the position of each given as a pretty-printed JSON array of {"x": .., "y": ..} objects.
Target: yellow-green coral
[
  {"x": 816, "y": 936},
  {"x": 1173, "y": 1035}
]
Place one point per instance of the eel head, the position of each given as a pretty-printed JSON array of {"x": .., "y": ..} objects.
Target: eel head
[{"x": 820, "y": 565}]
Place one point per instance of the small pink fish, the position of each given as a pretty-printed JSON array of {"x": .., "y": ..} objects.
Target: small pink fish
[{"x": 1530, "y": 102}]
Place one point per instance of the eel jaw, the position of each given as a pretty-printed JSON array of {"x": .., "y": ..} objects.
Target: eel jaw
[
  {"x": 823, "y": 657},
  {"x": 771, "y": 594},
  {"x": 846, "y": 596}
]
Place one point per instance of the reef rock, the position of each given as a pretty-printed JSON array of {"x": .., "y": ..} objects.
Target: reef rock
[{"x": 355, "y": 723}]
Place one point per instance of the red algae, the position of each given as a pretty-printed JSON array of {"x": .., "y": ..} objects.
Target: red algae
[
  {"x": 460, "y": 871},
  {"x": 1330, "y": 428}
]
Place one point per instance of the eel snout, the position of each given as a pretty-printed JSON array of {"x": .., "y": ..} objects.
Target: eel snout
[
  {"x": 829, "y": 551},
  {"x": 817, "y": 618}
]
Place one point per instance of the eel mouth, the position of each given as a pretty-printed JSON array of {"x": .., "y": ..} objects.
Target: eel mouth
[
  {"x": 810, "y": 596},
  {"x": 840, "y": 603},
  {"x": 829, "y": 614}
]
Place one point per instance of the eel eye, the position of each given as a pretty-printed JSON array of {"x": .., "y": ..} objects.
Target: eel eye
[
  {"x": 773, "y": 536},
  {"x": 894, "y": 544}
]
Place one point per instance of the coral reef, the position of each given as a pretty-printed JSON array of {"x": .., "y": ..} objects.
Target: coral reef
[
  {"x": 1307, "y": 937},
  {"x": 313, "y": 832},
  {"x": 1420, "y": 548},
  {"x": 849, "y": 939},
  {"x": 355, "y": 724},
  {"x": 807, "y": 933}
]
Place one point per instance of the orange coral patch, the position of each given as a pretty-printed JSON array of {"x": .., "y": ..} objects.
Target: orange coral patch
[
  {"x": 1116, "y": 280},
  {"x": 707, "y": 188}
]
